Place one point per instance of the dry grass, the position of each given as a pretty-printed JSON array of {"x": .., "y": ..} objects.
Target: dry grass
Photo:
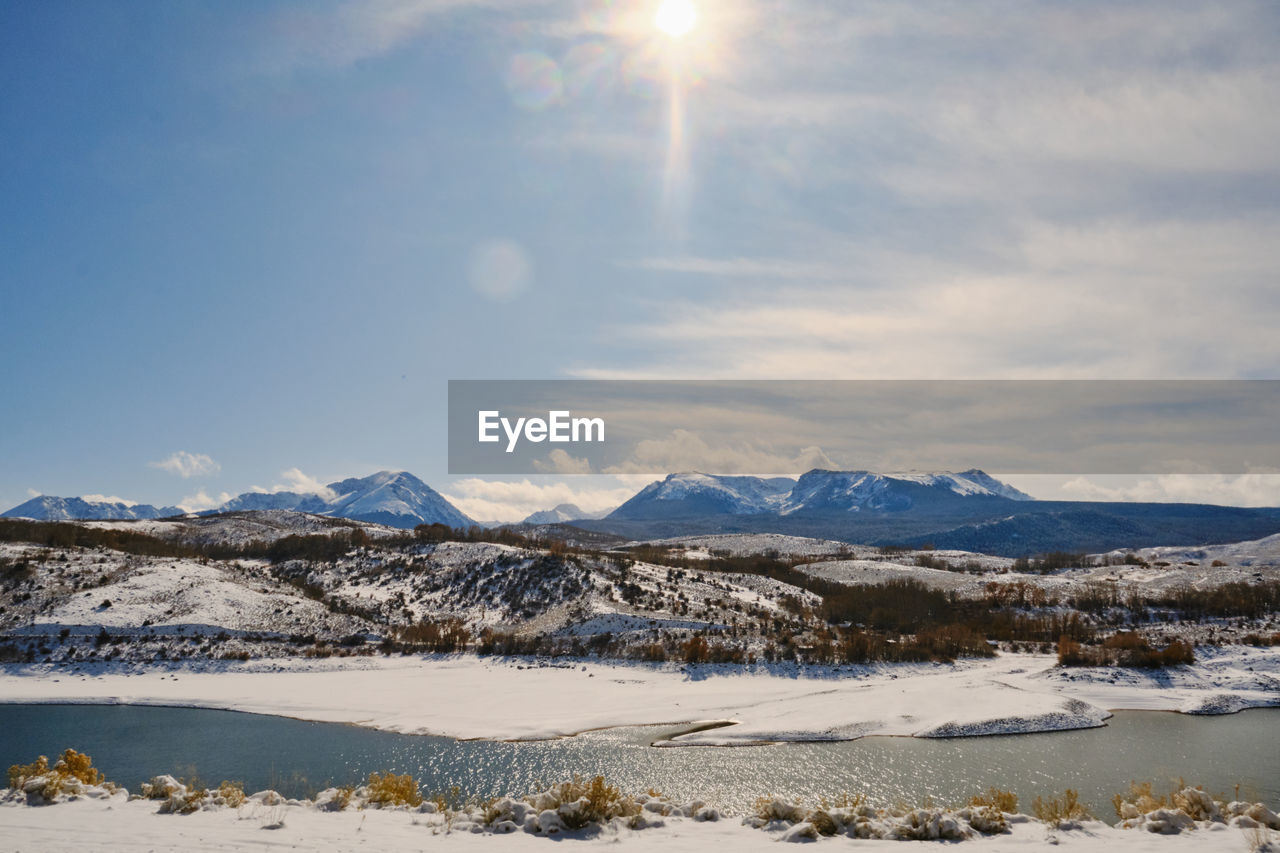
[
  {"x": 232, "y": 794},
  {"x": 390, "y": 789},
  {"x": 1141, "y": 796},
  {"x": 823, "y": 822},
  {"x": 844, "y": 801},
  {"x": 344, "y": 795},
  {"x": 1258, "y": 839},
  {"x": 994, "y": 798},
  {"x": 1056, "y": 811},
  {"x": 603, "y": 801},
  {"x": 1190, "y": 801}
]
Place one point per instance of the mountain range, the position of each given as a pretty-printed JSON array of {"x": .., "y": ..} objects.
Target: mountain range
[
  {"x": 969, "y": 510},
  {"x": 560, "y": 514},
  {"x": 817, "y": 492},
  {"x": 394, "y": 498}
]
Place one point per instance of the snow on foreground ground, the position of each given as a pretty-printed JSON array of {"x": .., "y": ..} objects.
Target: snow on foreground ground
[
  {"x": 112, "y": 822},
  {"x": 471, "y": 697}
]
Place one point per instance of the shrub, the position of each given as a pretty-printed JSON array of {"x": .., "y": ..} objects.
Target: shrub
[
  {"x": 231, "y": 794},
  {"x": 1141, "y": 797},
  {"x": 1004, "y": 801},
  {"x": 70, "y": 771},
  {"x": 597, "y": 800},
  {"x": 20, "y": 773},
  {"x": 1125, "y": 648},
  {"x": 389, "y": 789},
  {"x": 1056, "y": 811}
]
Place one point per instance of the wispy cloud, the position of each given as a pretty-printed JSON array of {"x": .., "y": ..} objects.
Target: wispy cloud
[
  {"x": 1063, "y": 301},
  {"x": 202, "y": 500},
  {"x": 498, "y": 500},
  {"x": 1259, "y": 489},
  {"x": 297, "y": 481},
  {"x": 560, "y": 462},
  {"x": 108, "y": 499},
  {"x": 187, "y": 465},
  {"x": 685, "y": 450}
]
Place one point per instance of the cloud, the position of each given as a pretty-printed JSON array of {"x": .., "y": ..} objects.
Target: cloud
[
  {"x": 687, "y": 451},
  {"x": 560, "y": 462},
  {"x": 1056, "y": 301},
  {"x": 296, "y": 481},
  {"x": 187, "y": 465},
  {"x": 1257, "y": 489},
  {"x": 108, "y": 499},
  {"x": 32, "y": 493},
  {"x": 497, "y": 500},
  {"x": 202, "y": 500}
]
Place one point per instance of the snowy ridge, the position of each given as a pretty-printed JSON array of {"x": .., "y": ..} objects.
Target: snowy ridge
[
  {"x": 560, "y": 514},
  {"x": 50, "y": 508},
  {"x": 817, "y": 491},
  {"x": 394, "y": 498}
]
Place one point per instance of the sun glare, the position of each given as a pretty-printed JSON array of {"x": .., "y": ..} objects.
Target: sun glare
[{"x": 676, "y": 17}]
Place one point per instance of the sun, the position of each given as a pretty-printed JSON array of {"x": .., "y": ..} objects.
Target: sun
[{"x": 676, "y": 17}]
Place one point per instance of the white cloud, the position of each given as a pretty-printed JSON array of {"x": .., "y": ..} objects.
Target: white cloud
[
  {"x": 202, "y": 500},
  {"x": 296, "y": 481},
  {"x": 187, "y": 465},
  {"x": 560, "y": 462},
  {"x": 687, "y": 451},
  {"x": 497, "y": 500},
  {"x": 32, "y": 493},
  {"x": 108, "y": 499},
  {"x": 1257, "y": 489}
]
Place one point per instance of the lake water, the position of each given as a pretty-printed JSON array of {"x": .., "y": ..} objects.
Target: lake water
[{"x": 131, "y": 744}]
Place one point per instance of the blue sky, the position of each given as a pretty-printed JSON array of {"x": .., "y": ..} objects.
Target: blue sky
[{"x": 267, "y": 234}]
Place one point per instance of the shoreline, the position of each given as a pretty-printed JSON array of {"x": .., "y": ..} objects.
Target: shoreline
[{"x": 724, "y": 705}]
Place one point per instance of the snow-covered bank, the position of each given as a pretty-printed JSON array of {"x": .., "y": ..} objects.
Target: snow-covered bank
[
  {"x": 470, "y": 697},
  {"x": 114, "y": 823}
]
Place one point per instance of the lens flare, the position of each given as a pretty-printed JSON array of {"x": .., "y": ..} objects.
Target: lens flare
[{"x": 676, "y": 17}]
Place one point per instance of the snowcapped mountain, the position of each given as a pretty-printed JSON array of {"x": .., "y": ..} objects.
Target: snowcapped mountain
[
  {"x": 260, "y": 501},
  {"x": 695, "y": 494},
  {"x": 853, "y": 491},
  {"x": 393, "y": 498},
  {"x": 816, "y": 492},
  {"x": 560, "y": 514},
  {"x": 50, "y": 508}
]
